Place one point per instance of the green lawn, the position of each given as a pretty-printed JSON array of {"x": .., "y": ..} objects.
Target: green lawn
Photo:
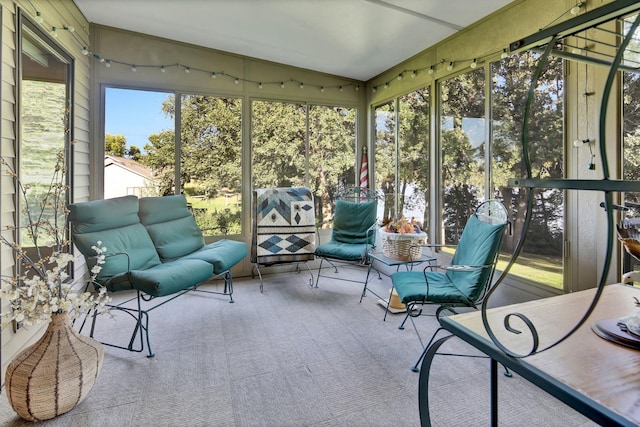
[
  {"x": 219, "y": 203},
  {"x": 546, "y": 270}
]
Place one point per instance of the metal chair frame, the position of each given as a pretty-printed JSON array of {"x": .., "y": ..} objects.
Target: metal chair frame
[
  {"x": 141, "y": 316},
  {"x": 491, "y": 211}
]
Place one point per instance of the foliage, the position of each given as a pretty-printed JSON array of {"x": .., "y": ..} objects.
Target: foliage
[
  {"x": 116, "y": 145},
  {"x": 42, "y": 287}
]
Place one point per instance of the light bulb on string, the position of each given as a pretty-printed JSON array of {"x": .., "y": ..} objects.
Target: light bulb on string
[
  {"x": 236, "y": 81},
  {"x": 357, "y": 88},
  {"x": 108, "y": 63},
  {"x": 39, "y": 18},
  {"x": 374, "y": 89},
  {"x": 281, "y": 85},
  {"x": 213, "y": 75},
  {"x": 54, "y": 32},
  {"x": 187, "y": 70},
  {"x": 260, "y": 85},
  {"x": 301, "y": 85},
  {"x": 162, "y": 69},
  {"x": 450, "y": 66},
  {"x": 321, "y": 88},
  {"x": 134, "y": 68},
  {"x": 431, "y": 70},
  {"x": 400, "y": 76},
  {"x": 69, "y": 28},
  {"x": 413, "y": 74},
  {"x": 577, "y": 8},
  {"x": 340, "y": 89},
  {"x": 474, "y": 64},
  {"x": 85, "y": 51},
  {"x": 504, "y": 54}
]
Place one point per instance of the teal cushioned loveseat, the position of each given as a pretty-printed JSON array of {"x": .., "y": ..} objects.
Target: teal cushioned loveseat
[{"x": 153, "y": 246}]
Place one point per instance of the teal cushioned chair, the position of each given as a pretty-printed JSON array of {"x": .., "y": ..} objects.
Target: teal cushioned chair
[
  {"x": 466, "y": 280},
  {"x": 177, "y": 236},
  {"x": 353, "y": 233}
]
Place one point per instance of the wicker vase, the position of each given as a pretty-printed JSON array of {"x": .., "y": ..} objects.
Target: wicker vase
[{"x": 56, "y": 373}]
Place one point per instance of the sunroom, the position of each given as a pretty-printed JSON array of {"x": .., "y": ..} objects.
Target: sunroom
[{"x": 440, "y": 129}]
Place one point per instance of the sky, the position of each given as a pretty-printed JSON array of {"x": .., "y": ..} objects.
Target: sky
[{"x": 136, "y": 114}]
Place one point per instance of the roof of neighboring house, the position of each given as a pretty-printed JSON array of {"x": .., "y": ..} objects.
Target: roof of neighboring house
[{"x": 129, "y": 164}]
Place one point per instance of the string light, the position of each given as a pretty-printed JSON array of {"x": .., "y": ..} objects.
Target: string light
[
  {"x": 340, "y": 89},
  {"x": 162, "y": 69},
  {"x": 260, "y": 85},
  {"x": 134, "y": 68},
  {"x": 431, "y": 70},
  {"x": 213, "y": 75},
  {"x": 70, "y": 29},
  {"x": 39, "y": 18},
  {"x": 301, "y": 85},
  {"x": 54, "y": 32},
  {"x": 577, "y": 8},
  {"x": 281, "y": 85},
  {"x": 414, "y": 74},
  {"x": 322, "y": 89},
  {"x": 504, "y": 54},
  {"x": 357, "y": 88},
  {"x": 374, "y": 89},
  {"x": 450, "y": 66},
  {"x": 187, "y": 70},
  {"x": 236, "y": 81},
  {"x": 386, "y": 85},
  {"x": 85, "y": 51},
  {"x": 400, "y": 76},
  {"x": 474, "y": 64}
]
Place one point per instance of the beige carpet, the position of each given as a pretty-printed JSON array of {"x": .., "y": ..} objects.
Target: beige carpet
[{"x": 292, "y": 356}]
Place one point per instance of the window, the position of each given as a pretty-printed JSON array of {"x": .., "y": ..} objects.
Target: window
[
  {"x": 211, "y": 160},
  {"x": 631, "y": 119},
  {"x": 541, "y": 259},
  {"x": 402, "y": 169},
  {"x": 386, "y": 158},
  {"x": 300, "y": 145},
  {"x": 462, "y": 139},
  {"x": 139, "y": 143},
  {"x": 44, "y": 120},
  {"x": 140, "y": 152}
]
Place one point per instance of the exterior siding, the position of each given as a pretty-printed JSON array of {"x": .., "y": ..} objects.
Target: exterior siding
[{"x": 59, "y": 14}]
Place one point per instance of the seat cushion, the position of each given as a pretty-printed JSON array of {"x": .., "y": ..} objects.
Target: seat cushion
[
  {"x": 222, "y": 254},
  {"x": 412, "y": 287},
  {"x": 172, "y": 227},
  {"x": 352, "y": 220},
  {"x": 169, "y": 278},
  {"x": 339, "y": 250}
]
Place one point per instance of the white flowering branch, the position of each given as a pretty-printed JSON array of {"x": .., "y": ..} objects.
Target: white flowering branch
[{"x": 42, "y": 287}]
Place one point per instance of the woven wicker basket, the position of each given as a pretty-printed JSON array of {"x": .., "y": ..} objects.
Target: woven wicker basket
[
  {"x": 56, "y": 373},
  {"x": 398, "y": 246}
]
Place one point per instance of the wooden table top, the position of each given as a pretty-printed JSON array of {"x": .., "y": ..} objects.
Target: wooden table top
[{"x": 606, "y": 375}]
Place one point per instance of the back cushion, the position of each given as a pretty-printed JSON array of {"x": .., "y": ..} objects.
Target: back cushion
[
  {"x": 478, "y": 245},
  {"x": 98, "y": 215},
  {"x": 352, "y": 220},
  {"x": 115, "y": 223},
  {"x": 171, "y": 226}
]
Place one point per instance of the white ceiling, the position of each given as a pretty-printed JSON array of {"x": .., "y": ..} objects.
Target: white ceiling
[{"x": 350, "y": 38}]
